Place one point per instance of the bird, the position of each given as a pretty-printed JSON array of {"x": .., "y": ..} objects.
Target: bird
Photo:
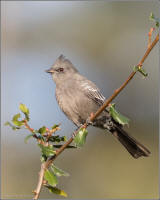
[{"x": 79, "y": 97}]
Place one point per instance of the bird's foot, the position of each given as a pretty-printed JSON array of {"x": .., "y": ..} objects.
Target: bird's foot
[
  {"x": 88, "y": 121},
  {"x": 76, "y": 131},
  {"x": 74, "y": 134}
]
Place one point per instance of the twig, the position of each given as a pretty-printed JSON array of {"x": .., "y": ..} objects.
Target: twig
[
  {"x": 150, "y": 36},
  {"x": 40, "y": 181},
  {"x": 50, "y": 132},
  {"x": 30, "y": 129},
  {"x": 127, "y": 81},
  {"x": 50, "y": 160}
]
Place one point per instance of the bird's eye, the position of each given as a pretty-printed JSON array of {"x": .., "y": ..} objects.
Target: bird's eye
[{"x": 60, "y": 69}]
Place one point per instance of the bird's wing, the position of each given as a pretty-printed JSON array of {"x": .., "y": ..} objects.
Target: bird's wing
[{"x": 91, "y": 90}]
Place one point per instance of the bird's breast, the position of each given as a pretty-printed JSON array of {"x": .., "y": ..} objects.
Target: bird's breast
[{"x": 75, "y": 104}]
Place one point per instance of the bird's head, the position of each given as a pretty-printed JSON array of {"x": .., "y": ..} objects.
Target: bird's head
[{"x": 62, "y": 69}]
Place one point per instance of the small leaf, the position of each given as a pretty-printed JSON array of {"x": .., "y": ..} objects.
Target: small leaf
[
  {"x": 56, "y": 191},
  {"x": 15, "y": 117},
  {"x": 43, "y": 158},
  {"x": 64, "y": 138},
  {"x": 42, "y": 130},
  {"x": 117, "y": 116},
  {"x": 55, "y": 126},
  {"x": 16, "y": 121},
  {"x": 157, "y": 24},
  {"x": 69, "y": 146},
  {"x": 50, "y": 177},
  {"x": 141, "y": 70},
  {"x": 57, "y": 138},
  {"x": 155, "y": 19},
  {"x": 80, "y": 138},
  {"x": 58, "y": 172},
  {"x": 25, "y": 110},
  {"x": 7, "y": 124},
  {"x": 47, "y": 151},
  {"x": 36, "y": 131},
  {"x": 135, "y": 68},
  {"x": 15, "y": 128},
  {"x": 26, "y": 116},
  {"x": 11, "y": 125},
  {"x": 151, "y": 17},
  {"x": 27, "y": 138},
  {"x": 53, "y": 138}
]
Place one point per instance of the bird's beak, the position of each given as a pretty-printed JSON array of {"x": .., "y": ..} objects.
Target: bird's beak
[{"x": 51, "y": 70}]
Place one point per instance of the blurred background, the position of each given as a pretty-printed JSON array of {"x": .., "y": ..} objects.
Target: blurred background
[{"x": 104, "y": 40}]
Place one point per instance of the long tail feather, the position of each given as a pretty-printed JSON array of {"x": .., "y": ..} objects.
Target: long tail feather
[{"x": 135, "y": 148}]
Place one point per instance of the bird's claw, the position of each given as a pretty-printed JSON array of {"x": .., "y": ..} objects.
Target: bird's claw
[
  {"x": 76, "y": 131},
  {"x": 74, "y": 134},
  {"x": 89, "y": 122}
]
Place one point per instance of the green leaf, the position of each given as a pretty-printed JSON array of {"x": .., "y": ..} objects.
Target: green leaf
[
  {"x": 42, "y": 130},
  {"x": 16, "y": 121},
  {"x": 58, "y": 172},
  {"x": 151, "y": 17},
  {"x": 55, "y": 126},
  {"x": 25, "y": 110},
  {"x": 64, "y": 138},
  {"x": 80, "y": 138},
  {"x": 11, "y": 125},
  {"x": 26, "y": 116},
  {"x": 141, "y": 70},
  {"x": 157, "y": 24},
  {"x": 54, "y": 138},
  {"x": 50, "y": 177},
  {"x": 117, "y": 116},
  {"x": 15, "y": 128},
  {"x": 56, "y": 191},
  {"x": 47, "y": 151},
  {"x": 57, "y": 138},
  {"x": 59, "y": 145},
  {"x": 27, "y": 138},
  {"x": 155, "y": 19},
  {"x": 135, "y": 68},
  {"x": 43, "y": 158},
  {"x": 7, "y": 124}
]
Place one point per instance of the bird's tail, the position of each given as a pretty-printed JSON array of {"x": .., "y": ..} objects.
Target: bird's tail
[{"x": 135, "y": 148}]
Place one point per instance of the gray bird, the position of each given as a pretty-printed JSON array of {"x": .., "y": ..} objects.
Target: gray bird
[{"x": 78, "y": 97}]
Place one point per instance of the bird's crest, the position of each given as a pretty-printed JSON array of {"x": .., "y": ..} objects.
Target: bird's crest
[{"x": 63, "y": 59}]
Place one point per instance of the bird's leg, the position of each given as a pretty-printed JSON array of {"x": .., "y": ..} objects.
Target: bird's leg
[
  {"x": 88, "y": 121},
  {"x": 75, "y": 132}
]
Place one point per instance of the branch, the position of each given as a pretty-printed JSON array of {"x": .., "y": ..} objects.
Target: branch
[
  {"x": 40, "y": 181},
  {"x": 108, "y": 101},
  {"x": 50, "y": 160},
  {"x": 29, "y": 128}
]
